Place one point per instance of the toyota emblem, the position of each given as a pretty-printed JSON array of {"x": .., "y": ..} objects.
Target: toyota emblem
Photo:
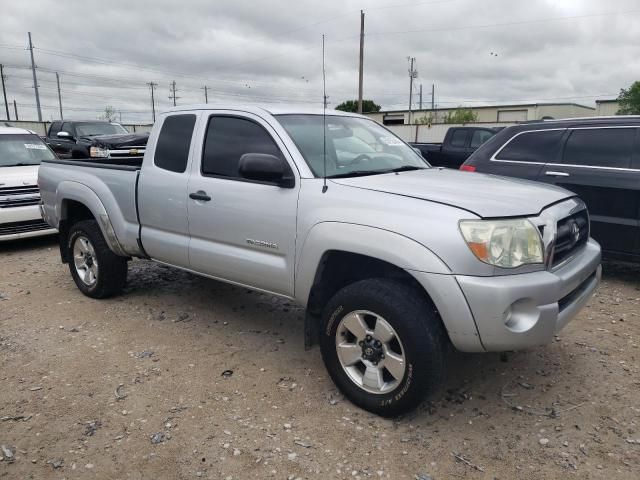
[{"x": 575, "y": 231}]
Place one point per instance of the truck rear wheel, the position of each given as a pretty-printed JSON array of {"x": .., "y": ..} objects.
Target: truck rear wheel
[
  {"x": 384, "y": 345},
  {"x": 97, "y": 271}
]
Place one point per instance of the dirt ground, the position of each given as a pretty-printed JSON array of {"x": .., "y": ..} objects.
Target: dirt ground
[{"x": 134, "y": 388}]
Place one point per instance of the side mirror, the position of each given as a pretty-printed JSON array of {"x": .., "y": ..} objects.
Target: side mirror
[
  {"x": 266, "y": 168},
  {"x": 66, "y": 135}
]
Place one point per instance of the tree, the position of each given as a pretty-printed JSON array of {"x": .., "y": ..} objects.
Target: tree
[
  {"x": 352, "y": 106},
  {"x": 461, "y": 115},
  {"x": 426, "y": 119},
  {"x": 629, "y": 100},
  {"x": 109, "y": 113}
]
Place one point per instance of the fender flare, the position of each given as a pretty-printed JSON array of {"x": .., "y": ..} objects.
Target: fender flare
[
  {"x": 391, "y": 247},
  {"x": 70, "y": 190}
]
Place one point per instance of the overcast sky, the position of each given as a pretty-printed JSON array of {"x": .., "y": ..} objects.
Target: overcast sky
[{"x": 270, "y": 51}]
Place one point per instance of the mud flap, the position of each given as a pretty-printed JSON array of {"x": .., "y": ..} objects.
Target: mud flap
[{"x": 311, "y": 330}]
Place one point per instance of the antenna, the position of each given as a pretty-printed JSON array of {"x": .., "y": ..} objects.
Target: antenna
[{"x": 324, "y": 120}]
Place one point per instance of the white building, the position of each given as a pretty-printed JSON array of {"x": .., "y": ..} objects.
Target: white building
[{"x": 490, "y": 113}]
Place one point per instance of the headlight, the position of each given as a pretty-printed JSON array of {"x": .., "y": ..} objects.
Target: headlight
[
  {"x": 98, "y": 152},
  {"x": 503, "y": 243}
]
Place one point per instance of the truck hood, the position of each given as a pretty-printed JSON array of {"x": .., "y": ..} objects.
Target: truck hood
[
  {"x": 120, "y": 140},
  {"x": 18, "y": 176},
  {"x": 488, "y": 196}
]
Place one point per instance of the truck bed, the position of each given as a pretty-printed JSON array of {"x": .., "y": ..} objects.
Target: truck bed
[{"x": 109, "y": 190}]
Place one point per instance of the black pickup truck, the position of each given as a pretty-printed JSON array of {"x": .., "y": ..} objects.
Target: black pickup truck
[
  {"x": 96, "y": 140},
  {"x": 459, "y": 143}
]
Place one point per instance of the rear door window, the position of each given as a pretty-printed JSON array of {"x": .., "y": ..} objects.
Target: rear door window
[
  {"x": 539, "y": 147},
  {"x": 174, "y": 141},
  {"x": 459, "y": 138},
  {"x": 600, "y": 147},
  {"x": 479, "y": 137}
]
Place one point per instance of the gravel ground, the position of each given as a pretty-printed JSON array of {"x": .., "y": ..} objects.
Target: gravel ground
[{"x": 184, "y": 377}]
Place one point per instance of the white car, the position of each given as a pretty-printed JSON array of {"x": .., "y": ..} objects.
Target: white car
[{"x": 21, "y": 152}]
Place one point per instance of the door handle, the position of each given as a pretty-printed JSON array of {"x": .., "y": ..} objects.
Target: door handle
[
  {"x": 200, "y": 195},
  {"x": 552, "y": 173}
]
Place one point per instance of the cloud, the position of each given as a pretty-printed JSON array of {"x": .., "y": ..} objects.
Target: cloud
[{"x": 270, "y": 51}]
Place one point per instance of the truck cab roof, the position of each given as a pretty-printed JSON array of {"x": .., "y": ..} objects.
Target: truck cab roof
[{"x": 270, "y": 109}]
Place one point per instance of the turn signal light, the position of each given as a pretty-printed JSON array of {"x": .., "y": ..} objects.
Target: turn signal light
[{"x": 467, "y": 168}]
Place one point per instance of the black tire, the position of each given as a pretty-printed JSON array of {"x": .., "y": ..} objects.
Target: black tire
[
  {"x": 111, "y": 268},
  {"x": 423, "y": 338}
]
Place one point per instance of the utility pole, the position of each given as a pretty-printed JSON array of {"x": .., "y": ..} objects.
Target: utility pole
[
  {"x": 15, "y": 109},
  {"x": 206, "y": 96},
  {"x": 360, "y": 73},
  {"x": 412, "y": 74},
  {"x": 326, "y": 101},
  {"x": 173, "y": 91},
  {"x": 35, "y": 79},
  {"x": 153, "y": 86},
  {"x": 420, "y": 96},
  {"x": 59, "y": 95},
  {"x": 4, "y": 91},
  {"x": 433, "y": 102}
]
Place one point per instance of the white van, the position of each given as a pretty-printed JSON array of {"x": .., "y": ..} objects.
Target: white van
[{"x": 21, "y": 152}]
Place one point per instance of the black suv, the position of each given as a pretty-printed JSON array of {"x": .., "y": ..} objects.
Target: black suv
[{"x": 597, "y": 158}]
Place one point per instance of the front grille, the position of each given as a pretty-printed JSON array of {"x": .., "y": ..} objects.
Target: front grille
[
  {"x": 127, "y": 152},
  {"x": 572, "y": 234},
  {"x": 23, "y": 227},
  {"x": 19, "y": 196}
]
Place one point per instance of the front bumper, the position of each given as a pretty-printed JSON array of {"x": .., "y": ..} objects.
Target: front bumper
[
  {"x": 518, "y": 311},
  {"x": 23, "y": 222}
]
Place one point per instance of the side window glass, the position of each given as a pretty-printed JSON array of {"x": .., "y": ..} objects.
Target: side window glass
[
  {"x": 539, "y": 147},
  {"x": 174, "y": 141},
  {"x": 228, "y": 139},
  {"x": 66, "y": 127},
  {"x": 459, "y": 138},
  {"x": 479, "y": 137},
  {"x": 600, "y": 147},
  {"x": 54, "y": 129}
]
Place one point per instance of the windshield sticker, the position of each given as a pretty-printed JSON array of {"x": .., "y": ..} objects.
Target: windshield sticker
[
  {"x": 391, "y": 141},
  {"x": 35, "y": 146}
]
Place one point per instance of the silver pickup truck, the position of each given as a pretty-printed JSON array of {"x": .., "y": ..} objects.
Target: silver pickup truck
[{"x": 394, "y": 261}]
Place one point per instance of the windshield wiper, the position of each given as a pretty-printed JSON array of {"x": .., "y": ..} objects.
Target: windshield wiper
[
  {"x": 358, "y": 173},
  {"x": 363, "y": 173},
  {"x": 407, "y": 168},
  {"x": 21, "y": 164}
]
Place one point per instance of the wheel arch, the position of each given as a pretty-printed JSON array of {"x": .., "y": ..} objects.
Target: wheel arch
[
  {"x": 79, "y": 202},
  {"x": 335, "y": 255}
]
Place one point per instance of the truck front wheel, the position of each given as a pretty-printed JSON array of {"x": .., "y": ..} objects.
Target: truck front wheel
[
  {"x": 96, "y": 270},
  {"x": 384, "y": 345}
]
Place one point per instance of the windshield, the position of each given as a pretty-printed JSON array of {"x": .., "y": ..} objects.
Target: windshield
[
  {"x": 354, "y": 146},
  {"x": 23, "y": 149},
  {"x": 93, "y": 129}
]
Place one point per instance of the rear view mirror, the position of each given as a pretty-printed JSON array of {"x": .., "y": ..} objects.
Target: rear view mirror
[{"x": 266, "y": 168}]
